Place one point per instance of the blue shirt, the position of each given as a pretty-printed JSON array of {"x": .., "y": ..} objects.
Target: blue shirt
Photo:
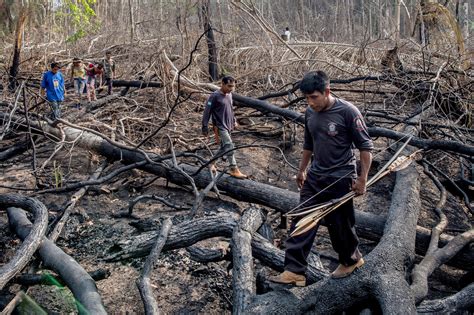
[{"x": 54, "y": 85}]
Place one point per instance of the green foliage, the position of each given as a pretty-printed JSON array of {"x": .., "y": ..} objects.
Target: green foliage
[{"x": 80, "y": 14}]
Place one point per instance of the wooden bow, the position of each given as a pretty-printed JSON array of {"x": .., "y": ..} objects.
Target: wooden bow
[{"x": 316, "y": 213}]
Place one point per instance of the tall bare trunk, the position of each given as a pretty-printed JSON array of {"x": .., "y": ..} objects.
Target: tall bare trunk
[
  {"x": 132, "y": 22},
  {"x": 397, "y": 20},
  {"x": 20, "y": 26},
  {"x": 211, "y": 43}
]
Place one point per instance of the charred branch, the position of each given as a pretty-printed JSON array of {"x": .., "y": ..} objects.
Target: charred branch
[
  {"x": 31, "y": 240},
  {"x": 458, "y": 302},
  {"x": 144, "y": 283},
  {"x": 52, "y": 279}
]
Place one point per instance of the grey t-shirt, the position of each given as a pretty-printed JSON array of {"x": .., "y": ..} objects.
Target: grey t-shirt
[
  {"x": 332, "y": 135},
  {"x": 219, "y": 107}
]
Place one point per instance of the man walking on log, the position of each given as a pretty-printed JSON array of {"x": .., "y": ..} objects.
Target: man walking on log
[
  {"x": 52, "y": 84},
  {"x": 332, "y": 128},
  {"x": 219, "y": 107}
]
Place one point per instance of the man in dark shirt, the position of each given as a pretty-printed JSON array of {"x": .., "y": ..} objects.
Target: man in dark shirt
[
  {"x": 332, "y": 128},
  {"x": 219, "y": 107}
]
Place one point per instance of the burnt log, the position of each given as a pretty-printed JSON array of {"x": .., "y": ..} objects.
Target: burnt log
[
  {"x": 243, "y": 282},
  {"x": 205, "y": 255},
  {"x": 76, "y": 278},
  {"x": 14, "y": 150},
  {"x": 31, "y": 241},
  {"x": 188, "y": 233},
  {"x": 137, "y": 84}
]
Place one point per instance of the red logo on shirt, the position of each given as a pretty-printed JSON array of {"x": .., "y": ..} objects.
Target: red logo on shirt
[{"x": 359, "y": 124}]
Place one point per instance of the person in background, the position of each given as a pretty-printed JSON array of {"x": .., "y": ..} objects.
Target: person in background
[
  {"x": 286, "y": 34},
  {"x": 109, "y": 71},
  {"x": 92, "y": 73},
  {"x": 219, "y": 107},
  {"x": 78, "y": 76},
  {"x": 52, "y": 85}
]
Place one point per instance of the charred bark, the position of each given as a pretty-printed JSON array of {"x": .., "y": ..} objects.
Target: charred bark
[
  {"x": 189, "y": 233},
  {"x": 14, "y": 150},
  {"x": 243, "y": 281},
  {"x": 144, "y": 284},
  {"x": 14, "y": 69},
  {"x": 461, "y": 301},
  {"x": 137, "y": 84},
  {"x": 448, "y": 145},
  {"x": 211, "y": 42},
  {"x": 76, "y": 278},
  {"x": 31, "y": 241}
]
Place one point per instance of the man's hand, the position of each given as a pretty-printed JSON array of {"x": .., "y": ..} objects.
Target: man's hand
[
  {"x": 300, "y": 178},
  {"x": 359, "y": 186},
  {"x": 205, "y": 131}
]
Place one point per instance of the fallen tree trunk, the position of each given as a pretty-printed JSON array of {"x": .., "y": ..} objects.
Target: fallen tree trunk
[
  {"x": 31, "y": 241},
  {"x": 15, "y": 149},
  {"x": 243, "y": 279},
  {"x": 190, "y": 232},
  {"x": 76, "y": 278},
  {"x": 368, "y": 225},
  {"x": 136, "y": 84}
]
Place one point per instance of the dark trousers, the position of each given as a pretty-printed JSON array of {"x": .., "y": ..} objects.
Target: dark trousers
[
  {"x": 108, "y": 82},
  {"x": 340, "y": 224}
]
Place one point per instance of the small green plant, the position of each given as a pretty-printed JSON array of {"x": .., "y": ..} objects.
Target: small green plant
[{"x": 58, "y": 175}]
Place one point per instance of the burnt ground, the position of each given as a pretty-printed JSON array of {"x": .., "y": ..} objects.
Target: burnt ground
[{"x": 181, "y": 284}]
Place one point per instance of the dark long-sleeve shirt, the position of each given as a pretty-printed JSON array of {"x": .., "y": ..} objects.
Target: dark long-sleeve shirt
[
  {"x": 331, "y": 135},
  {"x": 219, "y": 107}
]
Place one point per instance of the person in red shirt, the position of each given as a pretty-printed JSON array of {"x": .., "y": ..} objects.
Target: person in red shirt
[{"x": 93, "y": 72}]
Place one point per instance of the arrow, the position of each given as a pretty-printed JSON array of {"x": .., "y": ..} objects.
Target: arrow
[{"x": 316, "y": 213}]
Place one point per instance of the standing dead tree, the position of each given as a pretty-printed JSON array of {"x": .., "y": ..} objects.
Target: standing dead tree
[
  {"x": 14, "y": 69},
  {"x": 211, "y": 42}
]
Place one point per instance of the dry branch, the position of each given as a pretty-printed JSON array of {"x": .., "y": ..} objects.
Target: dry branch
[{"x": 143, "y": 283}]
